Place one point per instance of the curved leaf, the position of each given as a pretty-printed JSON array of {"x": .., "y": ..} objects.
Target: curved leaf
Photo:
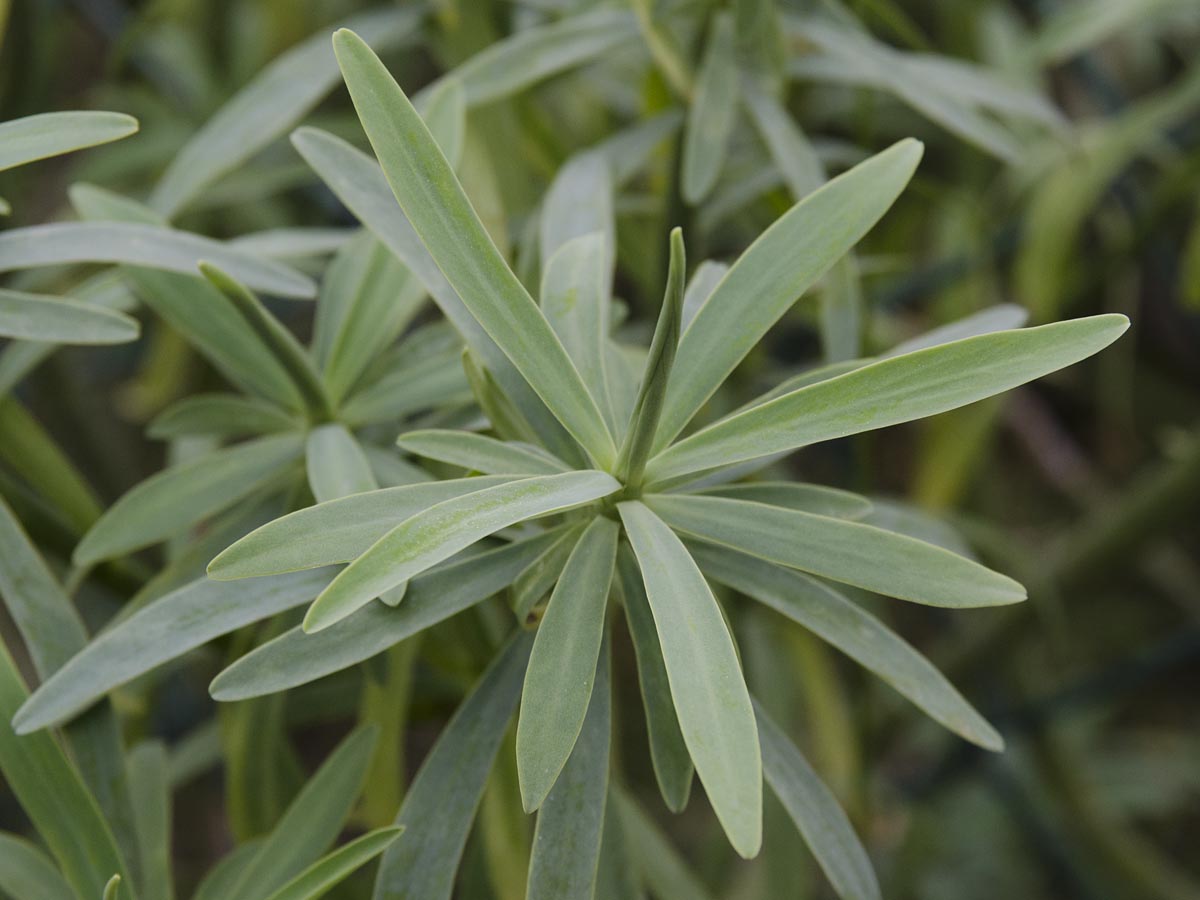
[
  {"x": 37, "y": 137},
  {"x": 38, "y": 317}
]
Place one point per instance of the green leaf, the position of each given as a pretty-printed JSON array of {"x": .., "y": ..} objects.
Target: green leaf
[
  {"x": 319, "y": 878},
  {"x": 828, "y": 614},
  {"x": 161, "y": 631},
  {"x": 312, "y": 821},
  {"x": 652, "y": 395},
  {"x": 171, "y": 501},
  {"x": 536, "y": 580},
  {"x": 481, "y": 453},
  {"x": 150, "y": 791},
  {"x": 810, "y": 498},
  {"x": 665, "y": 871},
  {"x": 440, "y": 531},
  {"x": 273, "y": 102},
  {"x": 52, "y": 134},
  {"x": 39, "y": 317},
  {"x": 786, "y": 260},
  {"x": 816, "y": 813},
  {"x": 1001, "y": 317},
  {"x": 25, "y": 871},
  {"x": 570, "y": 823},
  {"x": 441, "y": 803},
  {"x": 337, "y": 531},
  {"x": 579, "y": 203},
  {"x": 668, "y": 753},
  {"x": 713, "y": 112},
  {"x": 434, "y": 202},
  {"x": 143, "y": 245},
  {"x": 282, "y": 343},
  {"x": 293, "y": 243},
  {"x": 434, "y": 382},
  {"x": 562, "y": 666},
  {"x": 215, "y": 884},
  {"x": 112, "y": 890},
  {"x": 706, "y": 681},
  {"x": 220, "y": 416},
  {"x": 889, "y": 392},
  {"x": 54, "y": 797},
  {"x": 700, "y": 287},
  {"x": 295, "y": 658},
  {"x": 337, "y": 465},
  {"x": 862, "y": 555}
]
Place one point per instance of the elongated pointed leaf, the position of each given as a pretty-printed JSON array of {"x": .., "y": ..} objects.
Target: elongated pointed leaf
[
  {"x": 38, "y": 317},
  {"x": 481, "y": 453},
  {"x": 434, "y": 202},
  {"x": 570, "y": 823},
  {"x": 430, "y": 383},
  {"x": 150, "y": 792},
  {"x": 295, "y": 658},
  {"x": 891, "y": 391},
  {"x": 712, "y": 113},
  {"x": 293, "y": 243},
  {"x": 25, "y": 871},
  {"x": 442, "y": 530},
  {"x": 329, "y": 871},
  {"x": 562, "y": 666},
  {"x": 815, "y": 810},
  {"x": 441, "y": 803},
  {"x": 54, "y": 797},
  {"x": 144, "y": 245},
  {"x": 706, "y": 681},
  {"x": 810, "y": 498},
  {"x": 700, "y": 287},
  {"x": 668, "y": 752},
  {"x": 785, "y": 261},
  {"x": 1001, "y": 317},
  {"x": 850, "y": 552},
  {"x": 336, "y": 531},
  {"x": 163, "y": 630},
  {"x": 272, "y": 103},
  {"x": 51, "y": 134},
  {"x": 168, "y": 503},
  {"x": 337, "y": 466},
  {"x": 221, "y": 415},
  {"x": 664, "y": 870},
  {"x": 857, "y": 633},
  {"x": 578, "y": 203}
]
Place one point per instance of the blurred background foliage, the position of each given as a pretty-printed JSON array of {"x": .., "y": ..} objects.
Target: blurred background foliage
[{"x": 1061, "y": 174}]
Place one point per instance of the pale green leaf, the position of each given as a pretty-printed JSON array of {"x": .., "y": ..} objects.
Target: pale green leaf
[
  {"x": 433, "y": 382},
  {"x": 293, "y": 243},
  {"x": 778, "y": 268},
  {"x": 578, "y": 203},
  {"x": 706, "y": 680},
  {"x": 150, "y": 792},
  {"x": 815, "y": 810},
  {"x": 220, "y": 416},
  {"x": 535, "y": 581},
  {"x": 850, "y": 552},
  {"x": 171, "y": 501},
  {"x": 434, "y": 202},
  {"x": 570, "y": 824},
  {"x": 337, "y": 465},
  {"x": 295, "y": 658},
  {"x": 163, "y": 630},
  {"x": 112, "y": 890},
  {"x": 562, "y": 665},
  {"x": 480, "y": 453},
  {"x": 1001, "y": 317},
  {"x": 828, "y": 614},
  {"x": 664, "y": 870},
  {"x": 39, "y": 317},
  {"x": 325, "y": 874},
  {"x": 889, "y": 392},
  {"x": 144, "y": 245},
  {"x": 436, "y": 533},
  {"x": 700, "y": 287},
  {"x": 713, "y": 112},
  {"x": 811, "y": 498},
  {"x": 51, "y": 134},
  {"x": 26, "y": 872},
  {"x": 441, "y": 803},
  {"x": 272, "y": 103}
]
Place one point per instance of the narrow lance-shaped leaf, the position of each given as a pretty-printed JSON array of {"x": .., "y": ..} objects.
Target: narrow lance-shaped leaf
[
  {"x": 329, "y": 871},
  {"x": 37, "y": 137},
  {"x": 273, "y": 101},
  {"x": 570, "y": 823},
  {"x": 783, "y": 263},
  {"x": 38, "y": 317},
  {"x": 279, "y": 340},
  {"x": 150, "y": 792},
  {"x": 666, "y": 872},
  {"x": 562, "y": 666},
  {"x": 889, "y": 392},
  {"x": 337, "y": 466},
  {"x": 442, "y": 530},
  {"x": 26, "y": 871},
  {"x": 850, "y": 552},
  {"x": 810, "y": 498},
  {"x": 295, "y": 658},
  {"x": 706, "y": 680},
  {"x": 815, "y": 810},
  {"x": 648, "y": 409},
  {"x": 220, "y": 415},
  {"x": 480, "y": 453},
  {"x": 168, "y": 503},
  {"x": 835, "y": 619},
  {"x": 712, "y": 113},
  {"x": 578, "y": 203},
  {"x": 434, "y": 202},
  {"x": 143, "y": 245},
  {"x": 668, "y": 753},
  {"x": 441, "y": 803}
]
